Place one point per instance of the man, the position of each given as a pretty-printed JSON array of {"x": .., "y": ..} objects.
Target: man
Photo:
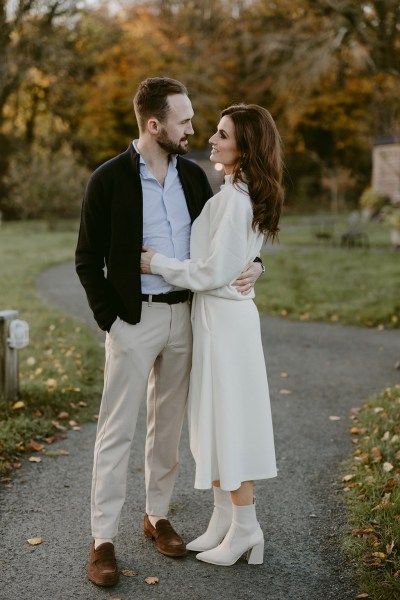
[{"x": 147, "y": 196}]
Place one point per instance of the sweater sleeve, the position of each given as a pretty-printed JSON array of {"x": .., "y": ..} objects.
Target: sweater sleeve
[
  {"x": 229, "y": 220},
  {"x": 91, "y": 250}
]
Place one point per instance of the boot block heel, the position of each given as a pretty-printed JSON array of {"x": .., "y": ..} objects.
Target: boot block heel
[{"x": 255, "y": 556}]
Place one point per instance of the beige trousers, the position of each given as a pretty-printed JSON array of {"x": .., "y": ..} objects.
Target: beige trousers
[{"x": 152, "y": 357}]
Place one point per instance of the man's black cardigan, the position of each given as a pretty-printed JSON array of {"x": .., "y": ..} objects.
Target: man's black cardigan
[{"x": 111, "y": 234}]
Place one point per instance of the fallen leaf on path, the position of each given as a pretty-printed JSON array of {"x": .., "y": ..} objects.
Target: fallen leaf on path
[
  {"x": 63, "y": 452},
  {"x": 71, "y": 388},
  {"x": 151, "y": 580},
  {"x": 348, "y": 477},
  {"x": 389, "y": 484},
  {"x": 54, "y": 438},
  {"x": 362, "y": 532},
  {"x": 285, "y": 392},
  {"x": 389, "y": 548},
  {"x": 35, "y": 459},
  {"x": 374, "y": 541},
  {"x": 51, "y": 383},
  {"x": 284, "y": 374},
  {"x": 362, "y": 596},
  {"x": 387, "y": 466},
  {"x": 355, "y": 410},
  {"x": 333, "y": 418},
  {"x": 377, "y": 454},
  {"x": 384, "y": 502},
  {"x": 33, "y": 446},
  {"x": 378, "y": 554},
  {"x": 18, "y": 405},
  {"x": 58, "y": 426},
  {"x": 35, "y": 541},
  {"x": 371, "y": 560},
  {"x": 49, "y": 440},
  {"x": 16, "y": 465},
  {"x": 128, "y": 573},
  {"x": 363, "y": 458}
]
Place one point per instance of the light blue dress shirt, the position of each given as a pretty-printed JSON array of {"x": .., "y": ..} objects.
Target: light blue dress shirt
[{"x": 166, "y": 220}]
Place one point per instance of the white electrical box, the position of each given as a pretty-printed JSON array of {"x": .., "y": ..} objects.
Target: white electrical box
[{"x": 18, "y": 334}]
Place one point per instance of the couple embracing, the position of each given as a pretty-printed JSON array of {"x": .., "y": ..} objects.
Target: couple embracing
[{"x": 169, "y": 270}]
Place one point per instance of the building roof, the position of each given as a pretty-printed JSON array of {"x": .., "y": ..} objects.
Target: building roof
[{"x": 387, "y": 139}]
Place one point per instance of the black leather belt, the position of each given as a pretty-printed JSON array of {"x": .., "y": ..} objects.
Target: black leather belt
[{"x": 170, "y": 298}]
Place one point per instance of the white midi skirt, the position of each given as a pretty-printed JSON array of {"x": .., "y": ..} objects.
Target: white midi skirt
[{"x": 230, "y": 425}]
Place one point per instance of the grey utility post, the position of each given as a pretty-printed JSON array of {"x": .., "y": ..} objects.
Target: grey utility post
[{"x": 13, "y": 336}]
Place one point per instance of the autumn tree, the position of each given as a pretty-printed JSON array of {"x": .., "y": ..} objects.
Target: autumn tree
[
  {"x": 56, "y": 50},
  {"x": 29, "y": 39},
  {"x": 336, "y": 65},
  {"x": 328, "y": 70}
]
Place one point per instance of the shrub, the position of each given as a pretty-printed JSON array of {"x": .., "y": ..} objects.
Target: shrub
[
  {"x": 46, "y": 185},
  {"x": 372, "y": 201}
]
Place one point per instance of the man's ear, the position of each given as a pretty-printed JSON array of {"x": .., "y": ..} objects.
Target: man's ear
[{"x": 153, "y": 125}]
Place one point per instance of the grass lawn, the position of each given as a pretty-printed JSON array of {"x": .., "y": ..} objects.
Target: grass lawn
[
  {"x": 372, "y": 494},
  {"x": 309, "y": 280},
  {"x": 61, "y": 369}
]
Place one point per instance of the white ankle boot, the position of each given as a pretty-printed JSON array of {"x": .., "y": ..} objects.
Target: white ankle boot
[
  {"x": 219, "y": 524},
  {"x": 244, "y": 535}
]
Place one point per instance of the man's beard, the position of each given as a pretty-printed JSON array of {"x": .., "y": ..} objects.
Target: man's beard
[{"x": 168, "y": 145}]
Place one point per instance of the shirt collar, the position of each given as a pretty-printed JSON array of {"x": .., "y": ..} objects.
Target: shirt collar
[{"x": 173, "y": 158}]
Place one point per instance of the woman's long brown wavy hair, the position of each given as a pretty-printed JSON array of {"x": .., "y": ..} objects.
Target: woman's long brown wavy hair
[{"x": 260, "y": 165}]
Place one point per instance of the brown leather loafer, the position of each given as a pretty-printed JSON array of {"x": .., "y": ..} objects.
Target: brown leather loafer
[
  {"x": 168, "y": 542},
  {"x": 102, "y": 569}
]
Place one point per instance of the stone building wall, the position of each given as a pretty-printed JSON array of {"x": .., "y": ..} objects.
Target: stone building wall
[{"x": 386, "y": 170}]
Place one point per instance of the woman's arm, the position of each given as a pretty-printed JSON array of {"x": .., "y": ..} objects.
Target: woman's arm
[{"x": 229, "y": 220}]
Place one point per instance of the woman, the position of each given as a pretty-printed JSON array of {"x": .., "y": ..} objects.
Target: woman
[{"x": 230, "y": 424}]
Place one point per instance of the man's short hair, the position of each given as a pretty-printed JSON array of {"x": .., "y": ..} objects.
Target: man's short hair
[{"x": 151, "y": 98}]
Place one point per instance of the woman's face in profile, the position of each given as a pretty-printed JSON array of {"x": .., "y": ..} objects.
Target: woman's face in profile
[{"x": 224, "y": 148}]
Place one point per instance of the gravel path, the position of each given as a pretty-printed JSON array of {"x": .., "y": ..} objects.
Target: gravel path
[{"x": 330, "y": 369}]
